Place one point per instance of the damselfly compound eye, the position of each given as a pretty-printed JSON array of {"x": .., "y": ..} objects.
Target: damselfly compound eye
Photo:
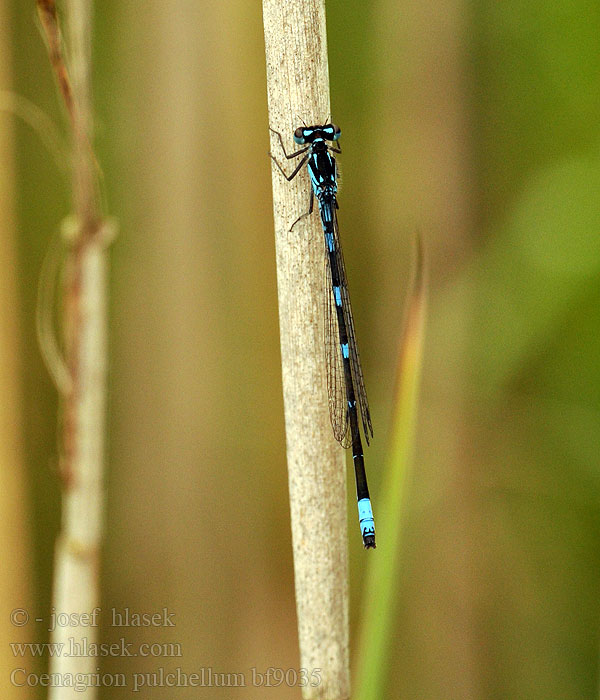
[{"x": 299, "y": 135}]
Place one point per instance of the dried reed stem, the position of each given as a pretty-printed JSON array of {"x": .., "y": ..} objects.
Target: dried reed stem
[
  {"x": 298, "y": 86},
  {"x": 76, "y": 584}
]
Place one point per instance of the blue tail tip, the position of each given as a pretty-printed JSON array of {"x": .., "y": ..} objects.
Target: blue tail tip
[{"x": 367, "y": 524}]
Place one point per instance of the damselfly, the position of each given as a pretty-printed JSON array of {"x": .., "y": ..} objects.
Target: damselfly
[{"x": 345, "y": 383}]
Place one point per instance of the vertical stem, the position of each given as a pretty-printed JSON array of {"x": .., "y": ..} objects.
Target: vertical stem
[
  {"x": 79, "y": 18},
  {"x": 298, "y": 85},
  {"x": 76, "y": 584}
]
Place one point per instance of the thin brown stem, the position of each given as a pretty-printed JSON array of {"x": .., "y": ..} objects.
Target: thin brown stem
[{"x": 49, "y": 19}]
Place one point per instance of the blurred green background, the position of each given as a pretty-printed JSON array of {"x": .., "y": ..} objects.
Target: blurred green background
[{"x": 476, "y": 124}]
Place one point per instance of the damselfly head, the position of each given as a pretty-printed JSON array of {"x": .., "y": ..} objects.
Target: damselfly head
[{"x": 308, "y": 134}]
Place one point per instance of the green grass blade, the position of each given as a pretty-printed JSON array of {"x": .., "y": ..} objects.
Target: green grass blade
[{"x": 385, "y": 568}]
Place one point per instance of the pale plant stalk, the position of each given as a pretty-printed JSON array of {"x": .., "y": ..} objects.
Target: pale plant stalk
[
  {"x": 76, "y": 583},
  {"x": 298, "y": 88}
]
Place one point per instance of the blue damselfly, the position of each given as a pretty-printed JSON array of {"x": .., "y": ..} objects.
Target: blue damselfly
[{"x": 345, "y": 383}]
